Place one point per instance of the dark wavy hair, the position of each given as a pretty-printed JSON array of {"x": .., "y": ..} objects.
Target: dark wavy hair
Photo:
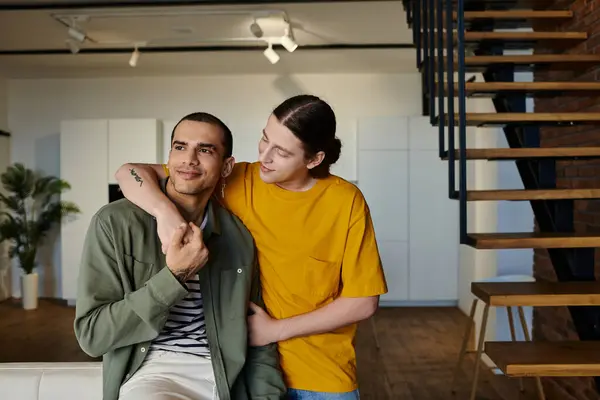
[
  {"x": 312, "y": 121},
  {"x": 212, "y": 120}
]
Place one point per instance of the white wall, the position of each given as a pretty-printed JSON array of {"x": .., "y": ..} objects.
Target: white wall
[
  {"x": 486, "y": 216},
  {"x": 4, "y": 161},
  {"x": 489, "y": 216},
  {"x": 36, "y": 108},
  {"x": 3, "y": 104}
]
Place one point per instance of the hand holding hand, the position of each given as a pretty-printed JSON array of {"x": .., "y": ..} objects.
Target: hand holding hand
[
  {"x": 167, "y": 225},
  {"x": 262, "y": 329},
  {"x": 186, "y": 258}
]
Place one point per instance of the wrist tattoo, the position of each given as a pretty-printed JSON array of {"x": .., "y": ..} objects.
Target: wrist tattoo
[{"x": 136, "y": 176}]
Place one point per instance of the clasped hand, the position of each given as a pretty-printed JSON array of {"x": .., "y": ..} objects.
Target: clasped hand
[{"x": 186, "y": 252}]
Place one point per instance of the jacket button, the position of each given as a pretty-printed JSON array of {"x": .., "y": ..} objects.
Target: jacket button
[
  {"x": 239, "y": 271},
  {"x": 143, "y": 349}
]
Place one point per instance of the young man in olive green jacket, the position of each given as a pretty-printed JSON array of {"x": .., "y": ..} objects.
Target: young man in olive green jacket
[{"x": 174, "y": 326}]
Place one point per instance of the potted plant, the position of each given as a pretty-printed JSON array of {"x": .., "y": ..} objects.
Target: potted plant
[{"x": 29, "y": 209}]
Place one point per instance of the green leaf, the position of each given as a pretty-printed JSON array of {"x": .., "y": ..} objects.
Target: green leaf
[
  {"x": 19, "y": 180},
  {"x": 13, "y": 203},
  {"x": 31, "y": 208}
]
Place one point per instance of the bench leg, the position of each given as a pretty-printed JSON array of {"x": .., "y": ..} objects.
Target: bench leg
[
  {"x": 538, "y": 382},
  {"x": 513, "y": 336},
  {"x": 374, "y": 330},
  {"x": 463, "y": 347},
  {"x": 484, "y": 320}
]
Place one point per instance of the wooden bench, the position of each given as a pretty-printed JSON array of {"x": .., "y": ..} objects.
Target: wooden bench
[{"x": 535, "y": 359}]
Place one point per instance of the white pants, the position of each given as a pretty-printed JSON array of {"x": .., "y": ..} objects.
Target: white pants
[{"x": 166, "y": 375}]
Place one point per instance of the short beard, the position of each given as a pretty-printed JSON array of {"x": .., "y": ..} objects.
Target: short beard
[{"x": 193, "y": 192}]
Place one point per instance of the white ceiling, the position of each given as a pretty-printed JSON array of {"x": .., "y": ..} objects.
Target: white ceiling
[
  {"x": 320, "y": 23},
  {"x": 209, "y": 63}
]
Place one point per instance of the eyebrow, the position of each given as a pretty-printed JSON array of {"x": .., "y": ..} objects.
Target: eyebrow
[
  {"x": 279, "y": 147},
  {"x": 202, "y": 145}
]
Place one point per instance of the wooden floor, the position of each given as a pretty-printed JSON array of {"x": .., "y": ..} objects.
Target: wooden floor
[{"x": 418, "y": 350}]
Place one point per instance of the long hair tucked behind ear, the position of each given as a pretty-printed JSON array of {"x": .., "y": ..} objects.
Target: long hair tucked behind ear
[{"x": 313, "y": 122}]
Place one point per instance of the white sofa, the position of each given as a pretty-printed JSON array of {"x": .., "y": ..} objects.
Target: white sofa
[{"x": 51, "y": 381}]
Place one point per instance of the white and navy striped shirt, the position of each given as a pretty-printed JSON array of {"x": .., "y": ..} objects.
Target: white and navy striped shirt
[{"x": 185, "y": 330}]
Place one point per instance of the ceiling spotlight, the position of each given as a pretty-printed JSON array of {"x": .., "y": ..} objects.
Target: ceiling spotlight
[
  {"x": 271, "y": 54},
  {"x": 73, "y": 46},
  {"x": 256, "y": 30},
  {"x": 135, "y": 56},
  {"x": 76, "y": 34},
  {"x": 289, "y": 43},
  {"x": 287, "y": 40}
]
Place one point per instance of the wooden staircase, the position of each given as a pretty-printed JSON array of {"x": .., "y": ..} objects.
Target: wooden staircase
[
  {"x": 454, "y": 40},
  {"x": 434, "y": 45}
]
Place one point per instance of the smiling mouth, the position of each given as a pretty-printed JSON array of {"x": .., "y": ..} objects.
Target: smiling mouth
[
  {"x": 265, "y": 169},
  {"x": 188, "y": 174}
]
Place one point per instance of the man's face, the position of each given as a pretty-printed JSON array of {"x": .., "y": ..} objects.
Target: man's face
[
  {"x": 281, "y": 154},
  {"x": 196, "y": 159}
]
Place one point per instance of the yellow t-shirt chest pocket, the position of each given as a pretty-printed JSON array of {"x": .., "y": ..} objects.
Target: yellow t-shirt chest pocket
[{"x": 322, "y": 277}]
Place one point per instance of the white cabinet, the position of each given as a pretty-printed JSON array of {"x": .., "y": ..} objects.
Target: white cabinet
[
  {"x": 90, "y": 153},
  {"x": 433, "y": 230},
  {"x": 133, "y": 140},
  {"x": 83, "y": 164},
  {"x": 416, "y": 225},
  {"x": 389, "y": 212}
]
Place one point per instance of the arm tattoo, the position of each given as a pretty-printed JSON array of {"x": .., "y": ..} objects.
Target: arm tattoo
[{"x": 137, "y": 177}]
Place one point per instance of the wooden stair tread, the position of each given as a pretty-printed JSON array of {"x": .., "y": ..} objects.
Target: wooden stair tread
[
  {"x": 537, "y": 294},
  {"x": 519, "y": 3},
  {"x": 532, "y": 58},
  {"x": 516, "y": 14},
  {"x": 532, "y": 117},
  {"x": 523, "y": 37},
  {"x": 494, "y": 87},
  {"x": 532, "y": 152},
  {"x": 526, "y": 60},
  {"x": 477, "y": 119},
  {"x": 573, "y": 358},
  {"x": 496, "y": 35},
  {"x": 533, "y": 240},
  {"x": 535, "y": 194}
]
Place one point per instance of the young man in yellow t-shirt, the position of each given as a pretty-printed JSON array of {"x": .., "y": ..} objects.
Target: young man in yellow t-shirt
[{"x": 320, "y": 266}]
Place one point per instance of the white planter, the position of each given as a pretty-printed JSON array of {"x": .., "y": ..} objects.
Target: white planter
[{"x": 29, "y": 291}]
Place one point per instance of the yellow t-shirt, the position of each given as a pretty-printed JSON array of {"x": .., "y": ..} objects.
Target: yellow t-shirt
[{"x": 313, "y": 247}]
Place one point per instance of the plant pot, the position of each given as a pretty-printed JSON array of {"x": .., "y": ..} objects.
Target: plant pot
[{"x": 29, "y": 291}]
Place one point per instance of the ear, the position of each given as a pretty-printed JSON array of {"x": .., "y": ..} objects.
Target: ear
[
  {"x": 227, "y": 167},
  {"x": 316, "y": 160}
]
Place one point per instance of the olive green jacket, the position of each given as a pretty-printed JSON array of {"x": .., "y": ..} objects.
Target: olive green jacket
[{"x": 125, "y": 292}]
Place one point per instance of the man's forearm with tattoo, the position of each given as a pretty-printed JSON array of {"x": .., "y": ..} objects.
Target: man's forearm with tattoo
[{"x": 136, "y": 176}]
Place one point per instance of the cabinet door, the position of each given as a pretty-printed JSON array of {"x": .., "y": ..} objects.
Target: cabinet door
[
  {"x": 434, "y": 231},
  {"x": 83, "y": 163},
  {"x": 383, "y": 179},
  {"x": 133, "y": 140}
]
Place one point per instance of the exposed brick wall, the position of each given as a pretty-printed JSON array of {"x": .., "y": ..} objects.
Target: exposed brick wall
[{"x": 554, "y": 323}]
